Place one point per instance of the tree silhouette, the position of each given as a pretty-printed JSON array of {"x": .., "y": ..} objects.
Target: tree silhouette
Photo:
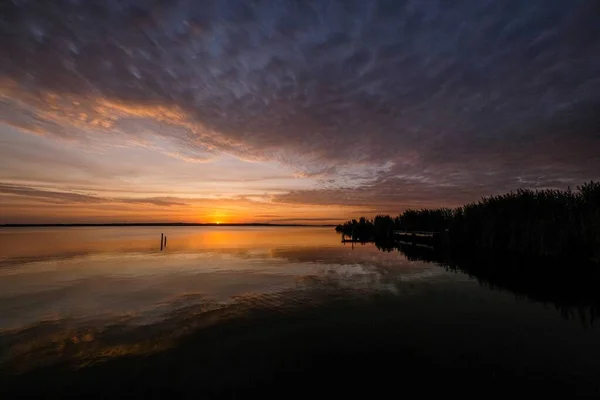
[{"x": 540, "y": 222}]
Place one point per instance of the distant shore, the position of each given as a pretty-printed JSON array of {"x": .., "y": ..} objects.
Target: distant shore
[{"x": 156, "y": 224}]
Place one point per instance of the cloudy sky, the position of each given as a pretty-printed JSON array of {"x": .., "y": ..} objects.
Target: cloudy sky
[{"x": 290, "y": 111}]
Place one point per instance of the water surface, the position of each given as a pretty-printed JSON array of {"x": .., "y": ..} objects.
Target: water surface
[{"x": 225, "y": 310}]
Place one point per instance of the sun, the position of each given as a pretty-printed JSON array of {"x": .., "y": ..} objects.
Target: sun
[{"x": 217, "y": 217}]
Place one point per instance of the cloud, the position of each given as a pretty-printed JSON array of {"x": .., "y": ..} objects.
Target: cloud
[
  {"x": 400, "y": 189},
  {"x": 302, "y": 220},
  {"x": 81, "y": 198},
  {"x": 155, "y": 201},
  {"x": 384, "y": 102}
]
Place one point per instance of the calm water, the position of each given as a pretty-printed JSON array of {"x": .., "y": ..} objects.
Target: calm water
[{"x": 225, "y": 311}]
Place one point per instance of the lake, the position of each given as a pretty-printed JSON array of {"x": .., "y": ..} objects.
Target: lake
[{"x": 270, "y": 311}]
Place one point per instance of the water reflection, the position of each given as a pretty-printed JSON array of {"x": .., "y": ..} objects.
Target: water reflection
[
  {"x": 121, "y": 271},
  {"x": 18, "y": 245},
  {"x": 99, "y": 312},
  {"x": 549, "y": 280}
]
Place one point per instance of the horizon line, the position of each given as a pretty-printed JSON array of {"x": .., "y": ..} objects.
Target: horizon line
[{"x": 91, "y": 224}]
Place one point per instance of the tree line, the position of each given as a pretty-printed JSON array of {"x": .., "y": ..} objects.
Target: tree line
[{"x": 541, "y": 222}]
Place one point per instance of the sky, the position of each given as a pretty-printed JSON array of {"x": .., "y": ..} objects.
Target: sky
[{"x": 312, "y": 111}]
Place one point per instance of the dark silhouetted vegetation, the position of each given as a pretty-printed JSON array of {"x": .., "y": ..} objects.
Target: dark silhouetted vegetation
[{"x": 539, "y": 222}]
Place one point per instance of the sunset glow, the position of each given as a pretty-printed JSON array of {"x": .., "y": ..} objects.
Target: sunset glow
[{"x": 209, "y": 112}]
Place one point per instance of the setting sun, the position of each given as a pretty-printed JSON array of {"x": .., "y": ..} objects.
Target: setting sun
[{"x": 218, "y": 217}]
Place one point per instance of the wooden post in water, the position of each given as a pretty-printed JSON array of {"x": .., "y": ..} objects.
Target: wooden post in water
[
  {"x": 161, "y": 241},
  {"x": 165, "y": 240}
]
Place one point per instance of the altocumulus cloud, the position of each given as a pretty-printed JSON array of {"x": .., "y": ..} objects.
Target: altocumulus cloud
[{"x": 435, "y": 99}]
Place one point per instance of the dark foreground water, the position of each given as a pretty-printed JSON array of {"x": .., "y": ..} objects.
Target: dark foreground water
[{"x": 275, "y": 312}]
